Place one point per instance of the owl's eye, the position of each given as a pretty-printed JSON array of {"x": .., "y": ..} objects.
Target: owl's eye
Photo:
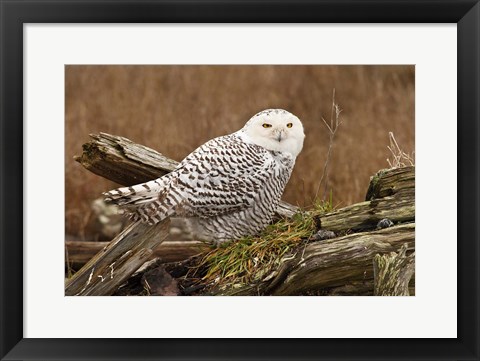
[
  {"x": 289, "y": 125},
  {"x": 266, "y": 125}
]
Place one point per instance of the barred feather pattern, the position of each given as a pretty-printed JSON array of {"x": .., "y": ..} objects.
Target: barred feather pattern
[
  {"x": 230, "y": 186},
  {"x": 227, "y": 188}
]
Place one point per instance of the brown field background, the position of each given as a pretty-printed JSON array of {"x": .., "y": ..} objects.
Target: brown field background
[{"x": 174, "y": 109}]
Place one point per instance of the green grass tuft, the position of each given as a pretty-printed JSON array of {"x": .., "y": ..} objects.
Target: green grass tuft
[{"x": 250, "y": 259}]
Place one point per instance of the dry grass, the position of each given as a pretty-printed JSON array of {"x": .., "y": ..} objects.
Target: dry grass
[
  {"x": 335, "y": 123},
  {"x": 174, "y": 109},
  {"x": 399, "y": 157}
]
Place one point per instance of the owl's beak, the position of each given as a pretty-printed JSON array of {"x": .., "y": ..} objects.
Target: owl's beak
[{"x": 279, "y": 136}]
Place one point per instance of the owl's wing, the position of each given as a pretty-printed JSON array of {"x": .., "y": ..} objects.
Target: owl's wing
[{"x": 224, "y": 175}]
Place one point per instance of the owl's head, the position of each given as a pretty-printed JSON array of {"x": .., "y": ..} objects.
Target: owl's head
[{"x": 277, "y": 130}]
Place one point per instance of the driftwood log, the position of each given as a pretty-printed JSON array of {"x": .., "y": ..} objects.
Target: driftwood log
[
  {"x": 391, "y": 195},
  {"x": 115, "y": 263},
  {"x": 343, "y": 265},
  {"x": 332, "y": 265},
  {"x": 78, "y": 253},
  {"x": 392, "y": 273}
]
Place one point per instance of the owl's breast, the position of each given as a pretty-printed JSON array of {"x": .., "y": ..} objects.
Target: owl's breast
[{"x": 283, "y": 159}]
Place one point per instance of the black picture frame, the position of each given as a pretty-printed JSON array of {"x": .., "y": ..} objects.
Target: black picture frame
[{"x": 15, "y": 13}]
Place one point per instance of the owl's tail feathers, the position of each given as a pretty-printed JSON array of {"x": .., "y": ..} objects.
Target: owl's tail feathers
[
  {"x": 137, "y": 194},
  {"x": 147, "y": 202}
]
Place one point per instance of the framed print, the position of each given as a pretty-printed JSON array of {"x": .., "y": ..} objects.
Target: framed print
[{"x": 70, "y": 69}]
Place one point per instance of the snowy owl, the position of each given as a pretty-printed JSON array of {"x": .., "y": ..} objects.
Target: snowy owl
[{"x": 227, "y": 188}]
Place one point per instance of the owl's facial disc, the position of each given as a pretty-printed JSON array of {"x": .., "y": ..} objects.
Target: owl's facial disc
[{"x": 277, "y": 130}]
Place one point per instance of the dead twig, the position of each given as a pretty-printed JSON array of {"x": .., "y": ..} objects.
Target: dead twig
[
  {"x": 335, "y": 122},
  {"x": 400, "y": 158}
]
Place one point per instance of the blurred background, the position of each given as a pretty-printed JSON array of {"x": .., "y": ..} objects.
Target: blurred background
[{"x": 174, "y": 109}]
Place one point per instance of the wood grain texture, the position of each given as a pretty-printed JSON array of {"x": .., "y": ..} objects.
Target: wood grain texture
[
  {"x": 115, "y": 263},
  {"x": 80, "y": 252},
  {"x": 332, "y": 264},
  {"x": 391, "y": 195},
  {"x": 392, "y": 272}
]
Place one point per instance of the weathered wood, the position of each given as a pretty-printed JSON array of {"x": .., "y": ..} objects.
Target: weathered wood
[
  {"x": 356, "y": 288},
  {"x": 392, "y": 273},
  {"x": 330, "y": 264},
  {"x": 387, "y": 182},
  {"x": 392, "y": 196},
  {"x": 336, "y": 262},
  {"x": 79, "y": 252},
  {"x": 123, "y": 161},
  {"x": 127, "y": 163},
  {"x": 359, "y": 288},
  {"x": 112, "y": 266}
]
